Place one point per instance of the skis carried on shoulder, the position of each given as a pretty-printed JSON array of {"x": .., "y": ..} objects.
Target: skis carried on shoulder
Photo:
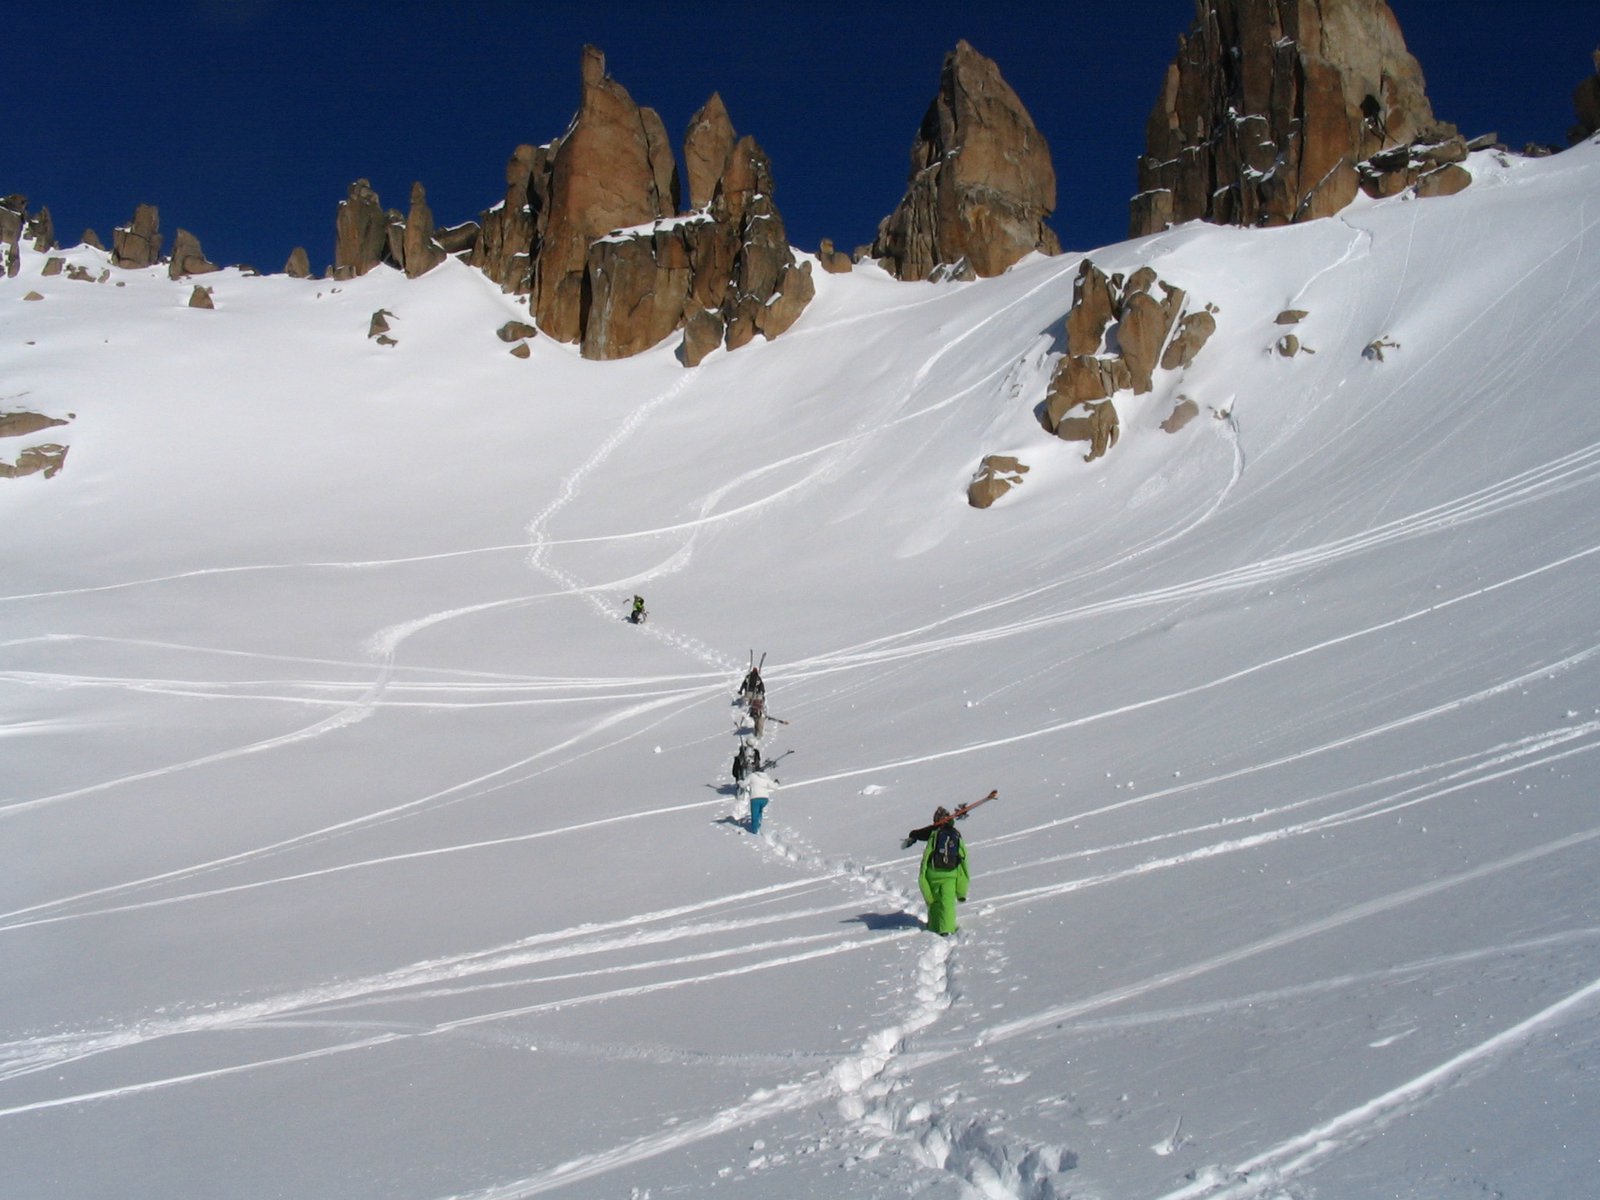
[{"x": 957, "y": 815}]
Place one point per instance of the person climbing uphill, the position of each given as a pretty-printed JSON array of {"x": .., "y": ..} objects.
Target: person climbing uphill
[
  {"x": 758, "y": 712},
  {"x": 753, "y": 685},
  {"x": 760, "y": 785},
  {"x": 944, "y": 878},
  {"x": 746, "y": 761},
  {"x": 638, "y": 614}
]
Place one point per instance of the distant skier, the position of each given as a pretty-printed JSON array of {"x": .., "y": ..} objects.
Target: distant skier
[
  {"x": 760, "y": 786},
  {"x": 638, "y": 614},
  {"x": 943, "y": 877}
]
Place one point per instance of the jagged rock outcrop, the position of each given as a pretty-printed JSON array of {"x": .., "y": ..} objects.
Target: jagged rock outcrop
[
  {"x": 200, "y": 297},
  {"x": 138, "y": 243},
  {"x": 299, "y": 264},
  {"x": 505, "y": 247},
  {"x": 1118, "y": 331},
  {"x": 1193, "y": 332},
  {"x": 612, "y": 170},
  {"x": 706, "y": 145},
  {"x": 13, "y": 217},
  {"x": 1277, "y": 111},
  {"x": 997, "y": 475},
  {"x": 981, "y": 182},
  {"x": 41, "y": 230},
  {"x": 187, "y": 257},
  {"x": 724, "y": 274},
  {"x": 1586, "y": 100},
  {"x": 91, "y": 238},
  {"x": 420, "y": 253},
  {"x": 361, "y": 232}
]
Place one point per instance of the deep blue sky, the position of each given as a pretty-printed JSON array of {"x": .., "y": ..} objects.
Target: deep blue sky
[{"x": 245, "y": 120}]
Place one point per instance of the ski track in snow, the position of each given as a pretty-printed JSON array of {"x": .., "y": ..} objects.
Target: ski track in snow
[{"x": 870, "y": 1088}]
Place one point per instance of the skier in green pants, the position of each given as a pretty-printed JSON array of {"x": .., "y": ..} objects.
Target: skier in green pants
[{"x": 944, "y": 878}]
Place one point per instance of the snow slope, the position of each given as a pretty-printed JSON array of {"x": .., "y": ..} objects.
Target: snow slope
[{"x": 356, "y": 847}]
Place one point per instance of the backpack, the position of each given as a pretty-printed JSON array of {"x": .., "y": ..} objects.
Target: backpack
[{"x": 946, "y": 854}]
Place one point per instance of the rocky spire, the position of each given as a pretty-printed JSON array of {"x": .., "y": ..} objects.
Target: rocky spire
[
  {"x": 706, "y": 145},
  {"x": 1271, "y": 109},
  {"x": 361, "y": 232},
  {"x": 981, "y": 182},
  {"x": 421, "y": 252},
  {"x": 612, "y": 170}
]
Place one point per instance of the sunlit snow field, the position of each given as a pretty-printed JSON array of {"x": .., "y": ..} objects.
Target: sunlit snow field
[{"x": 356, "y": 847}]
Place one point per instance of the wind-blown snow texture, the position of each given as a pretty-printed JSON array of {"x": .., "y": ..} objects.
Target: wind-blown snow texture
[{"x": 355, "y": 846}]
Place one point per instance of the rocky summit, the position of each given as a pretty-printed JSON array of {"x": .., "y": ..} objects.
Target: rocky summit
[
  {"x": 613, "y": 169},
  {"x": 1276, "y": 111},
  {"x": 981, "y": 183}
]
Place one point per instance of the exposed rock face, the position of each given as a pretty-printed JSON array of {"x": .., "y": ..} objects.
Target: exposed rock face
[
  {"x": 138, "y": 244},
  {"x": 1586, "y": 100},
  {"x": 732, "y": 261},
  {"x": 515, "y": 331},
  {"x": 981, "y": 182},
  {"x": 187, "y": 257},
  {"x": 1183, "y": 412},
  {"x": 200, "y": 297},
  {"x": 1193, "y": 333},
  {"x": 996, "y": 476},
  {"x": 13, "y": 216},
  {"x": 420, "y": 252},
  {"x": 637, "y": 286},
  {"x": 612, "y": 170},
  {"x": 21, "y": 424},
  {"x": 706, "y": 145},
  {"x": 767, "y": 289},
  {"x": 361, "y": 232},
  {"x": 91, "y": 238},
  {"x": 1272, "y": 107},
  {"x": 47, "y": 457},
  {"x": 42, "y": 230},
  {"x": 459, "y": 239},
  {"x": 299, "y": 264},
  {"x": 1118, "y": 331},
  {"x": 505, "y": 247}
]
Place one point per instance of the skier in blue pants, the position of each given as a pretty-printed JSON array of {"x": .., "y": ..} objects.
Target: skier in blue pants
[{"x": 759, "y": 784}]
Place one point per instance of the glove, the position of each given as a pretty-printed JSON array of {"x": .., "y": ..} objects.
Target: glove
[{"x": 961, "y": 899}]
